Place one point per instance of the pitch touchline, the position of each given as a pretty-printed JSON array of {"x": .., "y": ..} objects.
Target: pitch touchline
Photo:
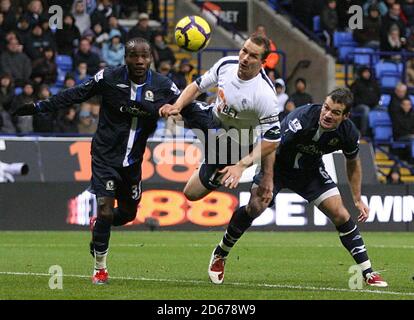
[
  {"x": 202, "y": 245},
  {"x": 263, "y": 285}
]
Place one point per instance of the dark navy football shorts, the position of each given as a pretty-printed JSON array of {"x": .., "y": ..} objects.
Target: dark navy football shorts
[
  {"x": 313, "y": 185},
  {"x": 120, "y": 183}
]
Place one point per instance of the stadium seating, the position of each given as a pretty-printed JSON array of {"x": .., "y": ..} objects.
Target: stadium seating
[
  {"x": 389, "y": 73},
  {"x": 362, "y": 56},
  {"x": 64, "y": 62},
  {"x": 18, "y": 90},
  {"x": 385, "y": 100}
]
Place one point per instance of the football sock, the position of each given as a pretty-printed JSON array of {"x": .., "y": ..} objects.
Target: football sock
[
  {"x": 101, "y": 235},
  {"x": 353, "y": 242},
  {"x": 239, "y": 223}
]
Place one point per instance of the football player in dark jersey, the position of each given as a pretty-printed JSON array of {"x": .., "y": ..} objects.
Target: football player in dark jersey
[
  {"x": 131, "y": 96},
  {"x": 308, "y": 133}
]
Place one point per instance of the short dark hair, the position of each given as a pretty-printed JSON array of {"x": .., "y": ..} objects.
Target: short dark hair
[
  {"x": 263, "y": 42},
  {"x": 135, "y": 41},
  {"x": 343, "y": 96}
]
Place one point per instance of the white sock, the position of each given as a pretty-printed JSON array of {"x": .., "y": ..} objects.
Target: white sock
[{"x": 100, "y": 260}]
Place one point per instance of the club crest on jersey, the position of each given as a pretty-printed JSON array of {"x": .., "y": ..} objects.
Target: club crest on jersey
[
  {"x": 333, "y": 142},
  {"x": 149, "y": 96},
  {"x": 294, "y": 125},
  {"x": 110, "y": 185}
]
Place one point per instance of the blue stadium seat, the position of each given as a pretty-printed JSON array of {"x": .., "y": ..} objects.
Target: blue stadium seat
[
  {"x": 64, "y": 62},
  {"x": 383, "y": 66},
  {"x": 362, "y": 56},
  {"x": 54, "y": 90},
  {"x": 60, "y": 78},
  {"x": 383, "y": 134},
  {"x": 343, "y": 53},
  {"x": 390, "y": 79},
  {"x": 18, "y": 90},
  {"x": 378, "y": 118},
  {"x": 412, "y": 99},
  {"x": 385, "y": 100},
  {"x": 317, "y": 24},
  {"x": 343, "y": 39}
]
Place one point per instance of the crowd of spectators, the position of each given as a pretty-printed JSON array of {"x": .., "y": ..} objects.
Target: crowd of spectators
[{"x": 91, "y": 36}]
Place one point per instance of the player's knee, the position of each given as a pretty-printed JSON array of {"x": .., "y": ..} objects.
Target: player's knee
[
  {"x": 340, "y": 216},
  {"x": 191, "y": 195}
]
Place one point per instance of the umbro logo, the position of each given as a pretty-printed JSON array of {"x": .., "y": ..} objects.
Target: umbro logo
[{"x": 121, "y": 85}]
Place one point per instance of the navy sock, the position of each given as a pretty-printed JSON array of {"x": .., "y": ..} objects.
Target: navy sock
[
  {"x": 239, "y": 223},
  {"x": 353, "y": 242},
  {"x": 101, "y": 235},
  {"x": 121, "y": 217}
]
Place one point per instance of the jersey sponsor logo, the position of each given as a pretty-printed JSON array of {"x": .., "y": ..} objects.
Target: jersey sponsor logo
[
  {"x": 149, "y": 96},
  {"x": 110, "y": 185},
  {"x": 229, "y": 111},
  {"x": 99, "y": 75},
  {"x": 295, "y": 125},
  {"x": 135, "y": 110},
  {"x": 271, "y": 119},
  {"x": 310, "y": 149},
  {"x": 121, "y": 85}
]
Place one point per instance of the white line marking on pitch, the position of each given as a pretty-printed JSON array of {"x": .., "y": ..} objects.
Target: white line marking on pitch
[
  {"x": 264, "y": 285},
  {"x": 197, "y": 245}
]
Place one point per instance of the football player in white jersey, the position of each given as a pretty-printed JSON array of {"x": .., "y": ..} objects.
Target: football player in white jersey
[{"x": 246, "y": 99}]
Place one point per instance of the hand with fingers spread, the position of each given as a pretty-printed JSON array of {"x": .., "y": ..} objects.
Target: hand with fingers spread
[
  {"x": 265, "y": 189},
  {"x": 363, "y": 211},
  {"x": 232, "y": 175}
]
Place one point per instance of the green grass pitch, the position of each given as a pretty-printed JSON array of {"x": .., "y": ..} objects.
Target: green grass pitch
[{"x": 173, "y": 265}]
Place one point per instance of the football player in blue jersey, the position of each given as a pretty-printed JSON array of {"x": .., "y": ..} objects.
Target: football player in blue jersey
[
  {"x": 131, "y": 96},
  {"x": 307, "y": 133}
]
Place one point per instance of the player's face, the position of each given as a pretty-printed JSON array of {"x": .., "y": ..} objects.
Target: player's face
[
  {"x": 138, "y": 59},
  {"x": 332, "y": 114},
  {"x": 250, "y": 60}
]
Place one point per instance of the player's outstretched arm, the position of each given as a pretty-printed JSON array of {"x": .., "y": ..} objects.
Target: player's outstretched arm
[
  {"x": 233, "y": 173},
  {"x": 354, "y": 171},
  {"x": 265, "y": 188},
  {"x": 63, "y": 99},
  {"x": 189, "y": 94}
]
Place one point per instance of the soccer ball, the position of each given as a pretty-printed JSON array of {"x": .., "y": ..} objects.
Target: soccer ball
[{"x": 192, "y": 33}]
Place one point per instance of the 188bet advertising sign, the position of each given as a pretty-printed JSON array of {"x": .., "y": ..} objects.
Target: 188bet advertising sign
[{"x": 57, "y": 196}]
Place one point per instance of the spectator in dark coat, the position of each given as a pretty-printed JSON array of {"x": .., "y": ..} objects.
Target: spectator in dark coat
[
  {"x": 9, "y": 15},
  {"x": 45, "y": 68},
  {"x": 300, "y": 97},
  {"x": 161, "y": 52},
  {"x": 35, "y": 13},
  {"x": 15, "y": 62},
  {"x": 44, "y": 122},
  {"x": 84, "y": 54},
  {"x": 403, "y": 121},
  {"x": 67, "y": 38},
  {"x": 369, "y": 35},
  {"x": 141, "y": 29},
  {"x": 329, "y": 21},
  {"x": 38, "y": 42},
  {"x": 367, "y": 94},
  {"x": 390, "y": 19},
  {"x": 400, "y": 93},
  {"x": 67, "y": 121}
]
